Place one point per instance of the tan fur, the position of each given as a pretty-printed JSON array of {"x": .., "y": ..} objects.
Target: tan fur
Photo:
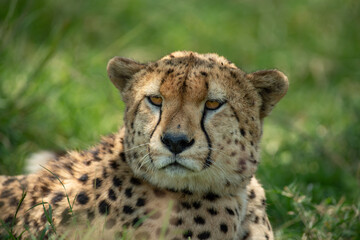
[{"x": 128, "y": 182}]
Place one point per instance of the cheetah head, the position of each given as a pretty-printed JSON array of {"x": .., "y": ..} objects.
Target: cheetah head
[{"x": 194, "y": 121}]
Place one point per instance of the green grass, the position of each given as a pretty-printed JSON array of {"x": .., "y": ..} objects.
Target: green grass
[{"x": 54, "y": 93}]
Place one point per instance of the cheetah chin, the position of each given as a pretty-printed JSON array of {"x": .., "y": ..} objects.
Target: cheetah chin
[{"x": 182, "y": 167}]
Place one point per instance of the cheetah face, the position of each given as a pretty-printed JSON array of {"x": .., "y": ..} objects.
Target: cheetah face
[{"x": 194, "y": 121}]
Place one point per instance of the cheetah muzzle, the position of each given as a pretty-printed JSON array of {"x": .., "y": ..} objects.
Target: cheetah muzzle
[{"x": 182, "y": 166}]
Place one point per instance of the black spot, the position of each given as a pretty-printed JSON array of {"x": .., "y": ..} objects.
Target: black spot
[
  {"x": 90, "y": 215},
  {"x": 97, "y": 183},
  {"x": 266, "y": 236},
  {"x": 83, "y": 178},
  {"x": 242, "y": 131},
  {"x": 172, "y": 190},
  {"x": 140, "y": 202},
  {"x": 252, "y": 194},
  {"x": 188, "y": 234},
  {"x": 186, "y": 205},
  {"x": 45, "y": 190},
  {"x": 33, "y": 201},
  {"x": 26, "y": 221},
  {"x": 230, "y": 211},
  {"x": 246, "y": 235},
  {"x": 36, "y": 225},
  {"x": 206, "y": 85},
  {"x": 177, "y": 221},
  {"x": 170, "y": 71},
  {"x": 196, "y": 205},
  {"x": 212, "y": 211},
  {"x": 6, "y": 194},
  {"x": 95, "y": 156},
  {"x": 57, "y": 198},
  {"x": 136, "y": 222},
  {"x": 82, "y": 198},
  {"x": 1, "y": 204},
  {"x": 135, "y": 181},
  {"x": 43, "y": 218},
  {"x": 105, "y": 174},
  {"x": 112, "y": 194},
  {"x": 186, "y": 192},
  {"x": 110, "y": 223},
  {"x": 128, "y": 209},
  {"x": 263, "y": 202},
  {"x": 223, "y": 228},
  {"x": 122, "y": 156},
  {"x": 114, "y": 164},
  {"x": 65, "y": 217},
  {"x": 8, "y": 181},
  {"x": 128, "y": 192},
  {"x": 199, "y": 220},
  {"x": 256, "y": 220},
  {"x": 211, "y": 196},
  {"x": 204, "y": 235},
  {"x": 9, "y": 219},
  {"x": 104, "y": 207},
  {"x": 159, "y": 193},
  {"x": 242, "y": 146},
  {"x": 68, "y": 167},
  {"x": 204, "y": 74},
  {"x": 14, "y": 202},
  {"x": 117, "y": 181}
]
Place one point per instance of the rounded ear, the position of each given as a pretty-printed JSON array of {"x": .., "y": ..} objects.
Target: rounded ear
[
  {"x": 121, "y": 70},
  {"x": 271, "y": 85}
]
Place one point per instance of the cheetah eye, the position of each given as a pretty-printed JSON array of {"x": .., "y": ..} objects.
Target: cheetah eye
[
  {"x": 213, "y": 104},
  {"x": 155, "y": 100}
]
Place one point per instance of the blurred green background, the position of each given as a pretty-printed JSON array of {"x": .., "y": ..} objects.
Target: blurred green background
[{"x": 54, "y": 92}]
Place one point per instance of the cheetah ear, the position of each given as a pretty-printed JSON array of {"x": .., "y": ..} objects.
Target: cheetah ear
[
  {"x": 272, "y": 85},
  {"x": 121, "y": 70}
]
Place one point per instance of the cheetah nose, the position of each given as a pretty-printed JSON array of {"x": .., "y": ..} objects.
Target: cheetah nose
[{"x": 176, "y": 143}]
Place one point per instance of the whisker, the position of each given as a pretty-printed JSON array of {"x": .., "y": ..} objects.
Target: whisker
[
  {"x": 144, "y": 161},
  {"x": 216, "y": 149},
  {"x": 217, "y": 166},
  {"x": 137, "y": 147}
]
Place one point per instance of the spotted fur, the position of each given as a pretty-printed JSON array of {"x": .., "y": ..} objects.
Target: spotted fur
[{"x": 178, "y": 163}]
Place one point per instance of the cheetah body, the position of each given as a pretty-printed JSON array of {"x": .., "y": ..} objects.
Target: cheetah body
[{"x": 182, "y": 166}]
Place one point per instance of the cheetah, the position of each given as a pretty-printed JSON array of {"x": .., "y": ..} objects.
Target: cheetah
[{"x": 182, "y": 167}]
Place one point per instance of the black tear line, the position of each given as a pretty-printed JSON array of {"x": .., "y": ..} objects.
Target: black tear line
[
  {"x": 208, "y": 161},
  {"x": 152, "y": 133}
]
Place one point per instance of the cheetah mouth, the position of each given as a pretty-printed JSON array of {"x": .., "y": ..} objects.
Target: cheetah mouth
[
  {"x": 176, "y": 167},
  {"x": 173, "y": 164}
]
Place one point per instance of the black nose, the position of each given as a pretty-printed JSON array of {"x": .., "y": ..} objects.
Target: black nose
[{"x": 176, "y": 143}]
